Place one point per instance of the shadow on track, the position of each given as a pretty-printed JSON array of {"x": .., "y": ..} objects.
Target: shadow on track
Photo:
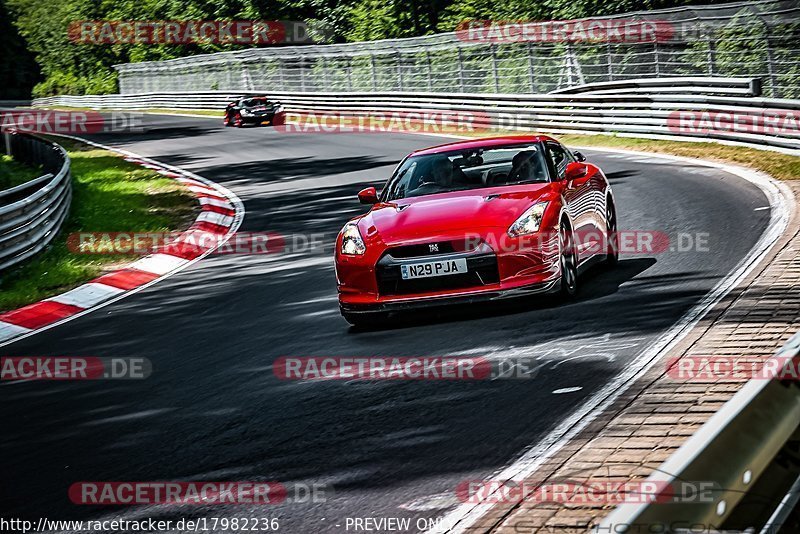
[{"x": 596, "y": 283}]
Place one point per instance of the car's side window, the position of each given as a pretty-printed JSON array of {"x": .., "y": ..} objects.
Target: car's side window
[{"x": 560, "y": 157}]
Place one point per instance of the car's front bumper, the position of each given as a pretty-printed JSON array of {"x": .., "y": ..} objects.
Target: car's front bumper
[
  {"x": 465, "y": 297},
  {"x": 373, "y": 281},
  {"x": 261, "y": 117},
  {"x": 258, "y": 117}
]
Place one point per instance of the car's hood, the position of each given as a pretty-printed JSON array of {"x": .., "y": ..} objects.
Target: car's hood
[{"x": 430, "y": 216}]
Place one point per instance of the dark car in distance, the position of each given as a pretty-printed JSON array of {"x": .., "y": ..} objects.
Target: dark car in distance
[{"x": 254, "y": 110}]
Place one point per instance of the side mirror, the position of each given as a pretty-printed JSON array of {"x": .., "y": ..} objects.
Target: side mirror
[
  {"x": 368, "y": 196},
  {"x": 575, "y": 171},
  {"x": 579, "y": 156}
]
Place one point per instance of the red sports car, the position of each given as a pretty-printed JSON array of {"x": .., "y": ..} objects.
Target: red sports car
[{"x": 476, "y": 220}]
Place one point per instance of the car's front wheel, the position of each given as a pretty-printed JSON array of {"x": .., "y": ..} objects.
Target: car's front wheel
[
  {"x": 612, "y": 237},
  {"x": 237, "y": 120},
  {"x": 569, "y": 262}
]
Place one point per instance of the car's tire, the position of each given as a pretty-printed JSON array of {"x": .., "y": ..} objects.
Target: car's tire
[
  {"x": 226, "y": 121},
  {"x": 612, "y": 235},
  {"x": 237, "y": 120},
  {"x": 365, "y": 319},
  {"x": 568, "y": 259}
]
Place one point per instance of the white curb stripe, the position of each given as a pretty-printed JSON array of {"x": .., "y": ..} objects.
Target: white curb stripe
[
  {"x": 205, "y": 191},
  {"x": 87, "y": 295},
  {"x": 215, "y": 218},
  {"x": 8, "y": 330},
  {"x": 158, "y": 263},
  {"x": 190, "y": 181},
  {"x": 205, "y": 201}
]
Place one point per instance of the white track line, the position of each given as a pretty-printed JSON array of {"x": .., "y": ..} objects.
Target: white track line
[{"x": 781, "y": 201}]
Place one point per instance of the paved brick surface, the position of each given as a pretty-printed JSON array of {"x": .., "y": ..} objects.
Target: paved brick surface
[{"x": 657, "y": 413}]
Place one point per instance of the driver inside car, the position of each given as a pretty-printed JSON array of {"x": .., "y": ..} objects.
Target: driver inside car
[
  {"x": 437, "y": 178},
  {"x": 526, "y": 167}
]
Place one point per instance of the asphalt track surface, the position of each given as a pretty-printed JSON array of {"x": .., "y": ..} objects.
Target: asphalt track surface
[{"x": 212, "y": 408}]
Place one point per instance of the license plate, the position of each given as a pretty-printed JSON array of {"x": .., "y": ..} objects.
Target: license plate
[{"x": 433, "y": 268}]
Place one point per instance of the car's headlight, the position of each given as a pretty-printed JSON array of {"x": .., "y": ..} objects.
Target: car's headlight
[
  {"x": 529, "y": 221},
  {"x": 352, "y": 244}
]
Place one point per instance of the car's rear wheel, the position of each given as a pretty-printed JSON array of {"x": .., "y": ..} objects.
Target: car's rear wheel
[
  {"x": 612, "y": 237},
  {"x": 569, "y": 262},
  {"x": 237, "y": 120}
]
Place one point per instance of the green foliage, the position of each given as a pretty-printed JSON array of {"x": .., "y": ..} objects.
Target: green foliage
[
  {"x": 70, "y": 68},
  {"x": 18, "y": 70}
]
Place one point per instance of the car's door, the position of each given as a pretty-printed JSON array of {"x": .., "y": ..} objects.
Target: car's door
[{"x": 581, "y": 201}]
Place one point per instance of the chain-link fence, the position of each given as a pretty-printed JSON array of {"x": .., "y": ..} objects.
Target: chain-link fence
[{"x": 754, "y": 39}]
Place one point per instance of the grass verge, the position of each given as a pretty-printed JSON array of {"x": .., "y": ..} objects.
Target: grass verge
[{"x": 109, "y": 195}]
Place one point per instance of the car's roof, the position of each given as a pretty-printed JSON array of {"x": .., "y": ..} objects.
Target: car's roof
[{"x": 486, "y": 142}]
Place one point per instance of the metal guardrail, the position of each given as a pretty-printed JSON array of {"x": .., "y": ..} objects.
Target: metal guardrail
[
  {"x": 731, "y": 450},
  {"x": 31, "y": 214},
  {"x": 754, "y": 39},
  {"x": 642, "y": 115},
  {"x": 747, "y": 87}
]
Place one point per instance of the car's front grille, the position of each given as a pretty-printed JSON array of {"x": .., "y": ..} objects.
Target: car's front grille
[
  {"x": 482, "y": 270},
  {"x": 433, "y": 249}
]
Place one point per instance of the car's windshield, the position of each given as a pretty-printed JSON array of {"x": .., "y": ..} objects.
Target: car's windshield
[
  {"x": 253, "y": 102},
  {"x": 466, "y": 169}
]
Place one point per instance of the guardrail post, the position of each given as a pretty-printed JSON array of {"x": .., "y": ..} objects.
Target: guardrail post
[
  {"x": 349, "y": 72},
  {"x": 495, "y": 74},
  {"x": 430, "y": 71},
  {"x": 7, "y": 137},
  {"x": 302, "y": 73},
  {"x": 461, "y": 69},
  {"x": 374, "y": 72},
  {"x": 610, "y": 63},
  {"x": 655, "y": 53},
  {"x": 775, "y": 91},
  {"x": 711, "y": 55},
  {"x": 281, "y": 78},
  {"x": 324, "y": 64},
  {"x": 399, "y": 71},
  {"x": 531, "y": 68},
  {"x": 246, "y": 81}
]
